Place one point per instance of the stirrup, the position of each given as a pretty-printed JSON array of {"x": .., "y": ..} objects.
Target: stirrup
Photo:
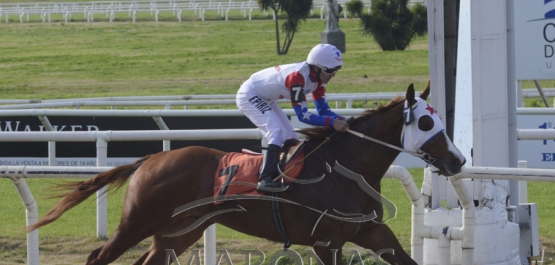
[{"x": 267, "y": 184}]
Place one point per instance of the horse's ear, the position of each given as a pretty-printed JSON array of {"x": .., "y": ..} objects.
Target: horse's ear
[
  {"x": 410, "y": 95},
  {"x": 424, "y": 95}
]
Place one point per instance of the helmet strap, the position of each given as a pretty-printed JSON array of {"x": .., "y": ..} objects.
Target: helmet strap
[{"x": 316, "y": 73}]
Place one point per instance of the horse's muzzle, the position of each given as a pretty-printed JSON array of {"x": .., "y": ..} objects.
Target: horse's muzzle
[{"x": 450, "y": 167}]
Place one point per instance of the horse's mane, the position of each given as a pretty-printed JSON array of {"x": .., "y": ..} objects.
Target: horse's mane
[{"x": 321, "y": 133}]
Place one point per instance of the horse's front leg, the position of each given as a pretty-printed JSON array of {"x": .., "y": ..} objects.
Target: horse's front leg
[{"x": 380, "y": 239}]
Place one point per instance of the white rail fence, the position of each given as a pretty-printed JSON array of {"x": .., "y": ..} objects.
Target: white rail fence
[
  {"x": 217, "y": 99},
  {"x": 185, "y": 100},
  {"x": 111, "y": 9},
  {"x": 18, "y": 173}
]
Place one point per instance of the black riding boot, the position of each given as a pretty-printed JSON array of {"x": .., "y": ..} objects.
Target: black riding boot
[{"x": 270, "y": 169}]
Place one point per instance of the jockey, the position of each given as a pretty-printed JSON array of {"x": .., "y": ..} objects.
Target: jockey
[{"x": 257, "y": 99}]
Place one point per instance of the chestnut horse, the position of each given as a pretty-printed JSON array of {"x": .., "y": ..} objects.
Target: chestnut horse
[{"x": 166, "y": 181}]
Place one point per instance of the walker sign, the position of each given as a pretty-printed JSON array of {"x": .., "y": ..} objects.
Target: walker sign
[
  {"x": 84, "y": 153},
  {"x": 535, "y": 39}
]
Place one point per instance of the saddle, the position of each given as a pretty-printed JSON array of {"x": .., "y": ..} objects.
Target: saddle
[{"x": 238, "y": 173}]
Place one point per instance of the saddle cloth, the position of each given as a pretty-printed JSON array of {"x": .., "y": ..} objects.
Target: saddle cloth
[{"x": 237, "y": 173}]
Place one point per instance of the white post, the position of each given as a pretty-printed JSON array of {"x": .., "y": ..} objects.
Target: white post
[
  {"x": 101, "y": 197},
  {"x": 444, "y": 250},
  {"x": 512, "y": 102},
  {"x": 468, "y": 228},
  {"x": 32, "y": 214},
  {"x": 210, "y": 245},
  {"x": 520, "y": 99},
  {"x": 51, "y": 153},
  {"x": 166, "y": 145},
  {"x": 436, "y": 55},
  {"x": 51, "y": 144},
  {"x": 522, "y": 185}
]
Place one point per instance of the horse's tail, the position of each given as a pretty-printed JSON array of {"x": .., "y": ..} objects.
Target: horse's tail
[{"x": 81, "y": 190}]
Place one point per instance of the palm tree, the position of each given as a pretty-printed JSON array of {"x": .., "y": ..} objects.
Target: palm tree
[{"x": 296, "y": 10}]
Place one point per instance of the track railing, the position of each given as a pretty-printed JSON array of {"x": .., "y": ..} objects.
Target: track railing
[
  {"x": 18, "y": 173},
  {"x": 111, "y": 8}
]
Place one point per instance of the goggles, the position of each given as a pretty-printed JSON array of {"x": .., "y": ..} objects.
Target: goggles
[{"x": 330, "y": 70}]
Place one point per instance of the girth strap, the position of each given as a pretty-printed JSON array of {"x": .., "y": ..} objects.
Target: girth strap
[{"x": 276, "y": 212}]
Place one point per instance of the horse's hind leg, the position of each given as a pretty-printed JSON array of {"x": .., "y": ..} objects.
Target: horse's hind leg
[
  {"x": 129, "y": 233},
  {"x": 157, "y": 253},
  {"x": 118, "y": 243}
]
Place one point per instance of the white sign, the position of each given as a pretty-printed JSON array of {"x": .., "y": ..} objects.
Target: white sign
[
  {"x": 538, "y": 153},
  {"x": 535, "y": 39}
]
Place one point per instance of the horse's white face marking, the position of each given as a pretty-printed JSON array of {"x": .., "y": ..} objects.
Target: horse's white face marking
[{"x": 453, "y": 149}]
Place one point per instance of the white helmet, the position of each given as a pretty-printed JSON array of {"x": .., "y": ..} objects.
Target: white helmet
[{"x": 325, "y": 56}]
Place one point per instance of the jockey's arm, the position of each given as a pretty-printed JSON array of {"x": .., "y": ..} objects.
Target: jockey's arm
[
  {"x": 322, "y": 106},
  {"x": 301, "y": 109}
]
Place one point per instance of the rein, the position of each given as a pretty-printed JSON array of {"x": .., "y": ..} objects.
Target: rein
[
  {"x": 420, "y": 154},
  {"x": 313, "y": 150},
  {"x": 281, "y": 174}
]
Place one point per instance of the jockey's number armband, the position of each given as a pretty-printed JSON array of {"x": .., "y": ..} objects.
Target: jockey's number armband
[{"x": 297, "y": 93}]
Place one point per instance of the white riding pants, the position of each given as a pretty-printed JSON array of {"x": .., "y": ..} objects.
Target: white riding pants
[{"x": 266, "y": 115}]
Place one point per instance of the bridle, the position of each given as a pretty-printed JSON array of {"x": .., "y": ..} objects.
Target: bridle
[{"x": 418, "y": 153}]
